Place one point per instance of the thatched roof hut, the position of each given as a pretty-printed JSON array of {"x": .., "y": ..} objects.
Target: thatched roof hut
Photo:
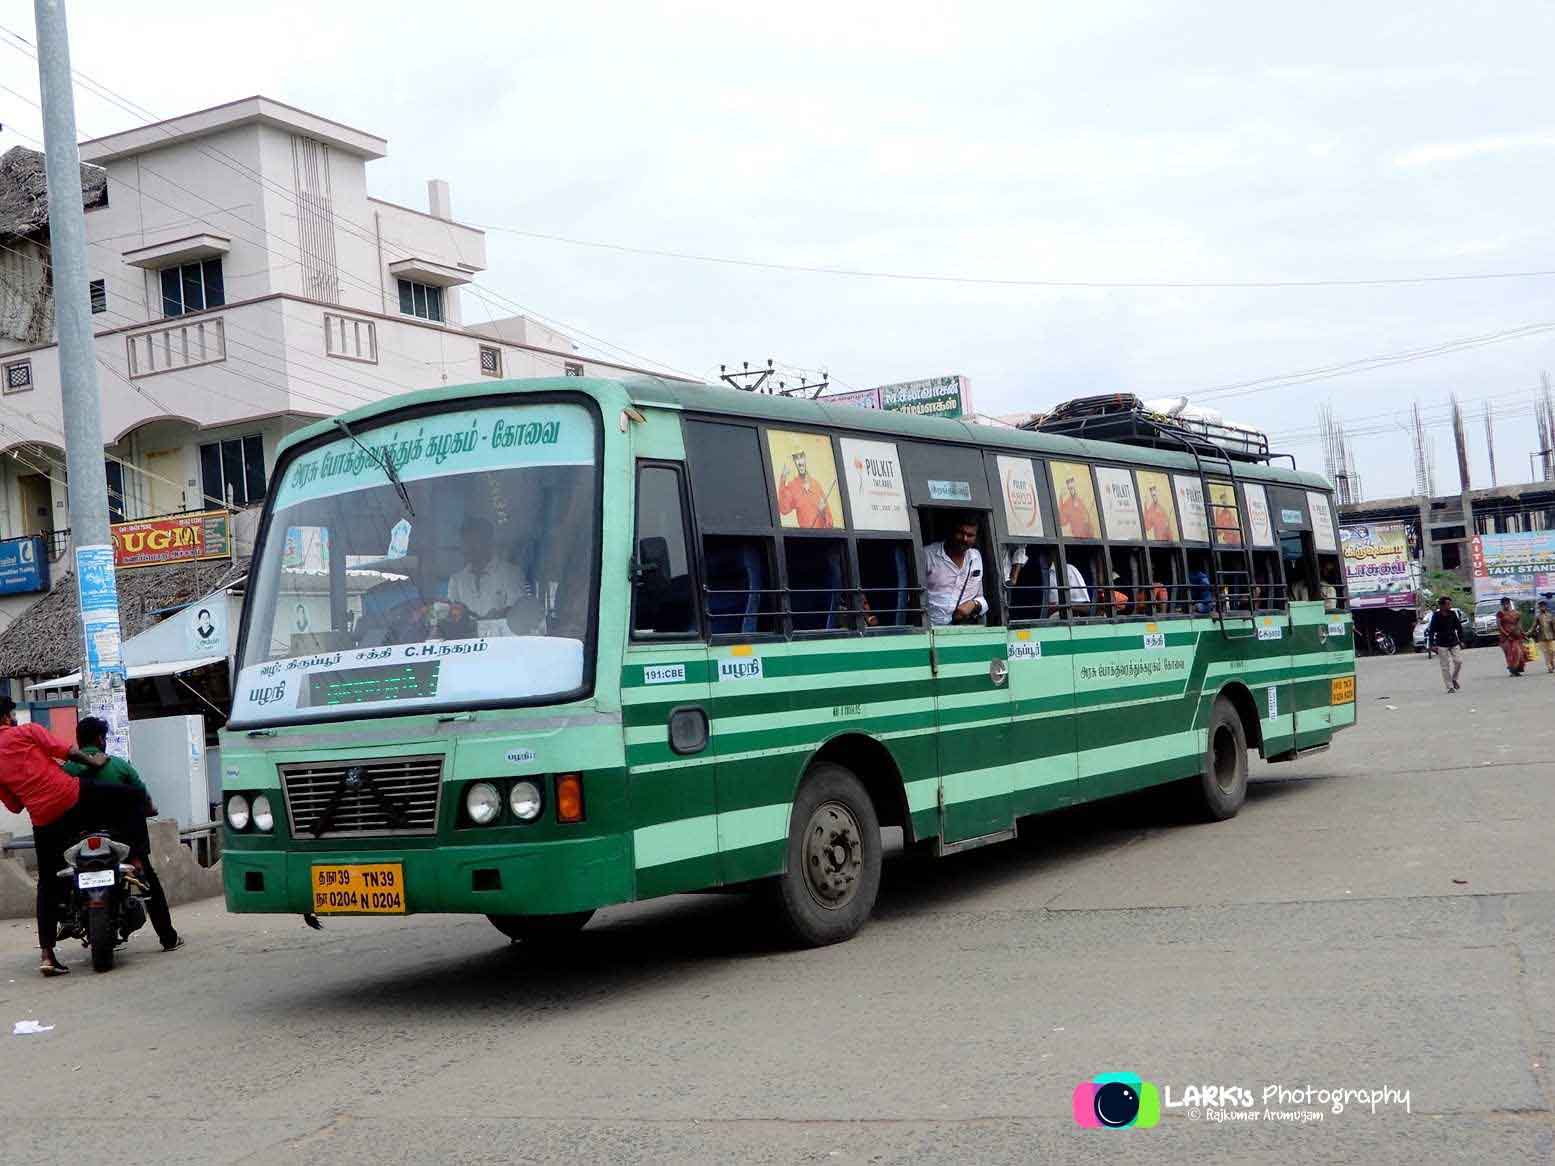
[
  {"x": 46, "y": 639},
  {"x": 24, "y": 196}
]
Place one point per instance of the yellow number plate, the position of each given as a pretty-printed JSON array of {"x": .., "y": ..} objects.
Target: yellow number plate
[
  {"x": 1341, "y": 690},
  {"x": 362, "y": 888}
]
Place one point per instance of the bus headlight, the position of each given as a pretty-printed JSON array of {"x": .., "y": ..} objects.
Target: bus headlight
[
  {"x": 237, "y": 812},
  {"x": 263, "y": 818},
  {"x": 482, "y": 803},
  {"x": 524, "y": 801}
]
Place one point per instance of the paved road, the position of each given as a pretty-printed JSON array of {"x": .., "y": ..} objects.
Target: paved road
[{"x": 1380, "y": 915}]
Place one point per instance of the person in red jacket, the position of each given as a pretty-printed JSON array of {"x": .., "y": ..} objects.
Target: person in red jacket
[{"x": 60, "y": 805}]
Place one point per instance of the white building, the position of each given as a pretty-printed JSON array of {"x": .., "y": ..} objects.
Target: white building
[{"x": 243, "y": 283}]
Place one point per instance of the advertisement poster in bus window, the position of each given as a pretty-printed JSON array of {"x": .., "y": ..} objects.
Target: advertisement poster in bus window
[
  {"x": 875, "y": 488},
  {"x": 804, "y": 480},
  {"x": 1076, "y": 499},
  {"x": 1018, "y": 485},
  {"x": 1259, "y": 526},
  {"x": 1160, "y": 515},
  {"x": 1119, "y": 504},
  {"x": 1224, "y": 515},
  {"x": 1190, "y": 504},
  {"x": 1323, "y": 536}
]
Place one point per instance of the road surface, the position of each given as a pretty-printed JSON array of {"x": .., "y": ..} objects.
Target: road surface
[{"x": 1382, "y": 915}]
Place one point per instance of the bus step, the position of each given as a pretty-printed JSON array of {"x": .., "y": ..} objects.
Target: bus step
[
  {"x": 943, "y": 848},
  {"x": 1293, "y": 754}
]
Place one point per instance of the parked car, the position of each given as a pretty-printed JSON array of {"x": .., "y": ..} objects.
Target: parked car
[
  {"x": 1485, "y": 618},
  {"x": 1471, "y": 632}
]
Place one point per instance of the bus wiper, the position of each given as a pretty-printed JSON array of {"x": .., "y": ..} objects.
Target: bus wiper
[{"x": 385, "y": 463}]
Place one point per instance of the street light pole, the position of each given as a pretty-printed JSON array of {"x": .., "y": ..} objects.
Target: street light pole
[{"x": 102, "y": 676}]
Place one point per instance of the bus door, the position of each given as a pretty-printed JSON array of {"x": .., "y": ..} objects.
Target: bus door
[{"x": 972, "y": 704}]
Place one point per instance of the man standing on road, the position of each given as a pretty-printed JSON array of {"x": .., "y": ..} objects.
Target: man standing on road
[
  {"x": 92, "y": 737},
  {"x": 1544, "y": 633},
  {"x": 1444, "y": 640},
  {"x": 31, "y": 780}
]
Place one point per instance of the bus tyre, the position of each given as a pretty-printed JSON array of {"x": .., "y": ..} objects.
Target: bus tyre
[
  {"x": 1222, "y": 787},
  {"x": 832, "y": 868},
  {"x": 539, "y": 929}
]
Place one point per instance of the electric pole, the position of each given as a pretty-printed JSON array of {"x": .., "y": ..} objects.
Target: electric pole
[{"x": 102, "y": 673}]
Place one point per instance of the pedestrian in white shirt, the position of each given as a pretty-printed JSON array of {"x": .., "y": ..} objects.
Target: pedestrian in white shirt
[
  {"x": 486, "y": 585},
  {"x": 953, "y": 577}
]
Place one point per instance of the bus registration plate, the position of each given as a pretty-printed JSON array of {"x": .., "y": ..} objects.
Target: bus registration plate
[
  {"x": 376, "y": 888},
  {"x": 1341, "y": 690}
]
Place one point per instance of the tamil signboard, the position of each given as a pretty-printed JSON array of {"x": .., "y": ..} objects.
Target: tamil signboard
[
  {"x": 946, "y": 396},
  {"x": 1378, "y": 571},
  {"x": 24, "y": 565},
  {"x": 1514, "y": 566},
  {"x": 179, "y": 538}
]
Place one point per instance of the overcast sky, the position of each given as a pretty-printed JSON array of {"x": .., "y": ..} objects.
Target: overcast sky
[{"x": 1107, "y": 143}]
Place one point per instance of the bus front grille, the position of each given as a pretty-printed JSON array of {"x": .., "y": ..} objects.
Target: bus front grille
[{"x": 394, "y": 795}]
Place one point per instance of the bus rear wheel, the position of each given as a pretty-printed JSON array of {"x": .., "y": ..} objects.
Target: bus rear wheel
[
  {"x": 540, "y": 928},
  {"x": 1222, "y": 788},
  {"x": 832, "y": 874}
]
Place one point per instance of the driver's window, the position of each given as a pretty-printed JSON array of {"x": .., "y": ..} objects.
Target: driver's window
[{"x": 664, "y": 601}]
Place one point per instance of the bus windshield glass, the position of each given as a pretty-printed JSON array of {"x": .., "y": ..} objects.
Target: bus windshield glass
[{"x": 446, "y": 560}]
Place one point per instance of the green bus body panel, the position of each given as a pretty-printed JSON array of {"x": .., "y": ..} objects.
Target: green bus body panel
[{"x": 1086, "y": 711}]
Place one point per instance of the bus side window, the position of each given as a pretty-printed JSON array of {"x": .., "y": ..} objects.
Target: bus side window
[
  {"x": 665, "y": 602},
  {"x": 1300, "y": 574},
  {"x": 888, "y": 579},
  {"x": 1085, "y": 588},
  {"x": 1166, "y": 582},
  {"x": 817, "y": 578},
  {"x": 1330, "y": 583},
  {"x": 1027, "y": 566},
  {"x": 741, "y": 599},
  {"x": 1131, "y": 581},
  {"x": 1200, "y": 592},
  {"x": 1268, "y": 589}
]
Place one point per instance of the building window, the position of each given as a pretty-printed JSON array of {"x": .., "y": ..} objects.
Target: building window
[
  {"x": 420, "y": 299},
  {"x": 192, "y": 287},
  {"x": 99, "y": 291},
  {"x": 491, "y": 361},
  {"x": 115, "y": 472},
  {"x": 234, "y": 469},
  {"x": 572, "y": 368},
  {"x": 18, "y": 376}
]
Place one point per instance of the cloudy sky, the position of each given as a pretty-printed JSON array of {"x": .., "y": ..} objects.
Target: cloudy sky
[{"x": 1101, "y": 144}]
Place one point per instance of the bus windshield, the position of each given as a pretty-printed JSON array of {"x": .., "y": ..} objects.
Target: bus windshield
[{"x": 441, "y": 561}]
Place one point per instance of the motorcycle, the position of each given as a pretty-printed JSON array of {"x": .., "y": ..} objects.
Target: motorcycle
[
  {"x": 1383, "y": 643},
  {"x": 105, "y": 900}
]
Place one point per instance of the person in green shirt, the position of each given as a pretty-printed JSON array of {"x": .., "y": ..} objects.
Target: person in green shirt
[{"x": 92, "y": 739}]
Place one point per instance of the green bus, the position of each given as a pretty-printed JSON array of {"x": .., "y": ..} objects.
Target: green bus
[{"x": 531, "y": 648}]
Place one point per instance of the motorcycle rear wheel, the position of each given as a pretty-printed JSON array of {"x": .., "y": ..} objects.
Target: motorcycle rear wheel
[{"x": 100, "y": 938}]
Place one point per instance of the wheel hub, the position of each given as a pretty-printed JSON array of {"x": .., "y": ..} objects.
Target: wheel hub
[{"x": 833, "y": 855}]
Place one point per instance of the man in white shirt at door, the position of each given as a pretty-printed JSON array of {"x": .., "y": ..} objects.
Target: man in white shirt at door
[
  {"x": 953, "y": 576},
  {"x": 486, "y": 585}
]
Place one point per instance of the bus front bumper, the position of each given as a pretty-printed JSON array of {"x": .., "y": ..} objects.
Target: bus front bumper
[{"x": 541, "y": 878}]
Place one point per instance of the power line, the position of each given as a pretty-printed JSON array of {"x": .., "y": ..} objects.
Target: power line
[{"x": 992, "y": 281}]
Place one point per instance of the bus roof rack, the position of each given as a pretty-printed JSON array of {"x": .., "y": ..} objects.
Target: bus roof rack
[{"x": 1124, "y": 418}]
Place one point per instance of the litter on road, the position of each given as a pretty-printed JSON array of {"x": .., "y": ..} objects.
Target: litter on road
[{"x": 30, "y": 1028}]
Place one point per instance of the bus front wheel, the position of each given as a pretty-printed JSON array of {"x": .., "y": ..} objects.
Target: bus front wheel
[
  {"x": 1222, "y": 788},
  {"x": 540, "y": 928},
  {"x": 832, "y": 872}
]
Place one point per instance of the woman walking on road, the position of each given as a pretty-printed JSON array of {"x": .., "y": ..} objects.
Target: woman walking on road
[
  {"x": 1509, "y": 627},
  {"x": 1544, "y": 634}
]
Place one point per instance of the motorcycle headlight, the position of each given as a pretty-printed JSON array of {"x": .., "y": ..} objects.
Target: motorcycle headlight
[
  {"x": 524, "y": 801},
  {"x": 237, "y": 812},
  {"x": 482, "y": 803},
  {"x": 263, "y": 818}
]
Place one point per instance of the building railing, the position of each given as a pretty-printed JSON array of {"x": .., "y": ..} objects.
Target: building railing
[{"x": 179, "y": 345}]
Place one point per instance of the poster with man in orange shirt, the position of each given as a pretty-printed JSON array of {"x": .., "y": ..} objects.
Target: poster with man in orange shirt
[
  {"x": 1160, "y": 515},
  {"x": 1076, "y": 499},
  {"x": 806, "y": 482}
]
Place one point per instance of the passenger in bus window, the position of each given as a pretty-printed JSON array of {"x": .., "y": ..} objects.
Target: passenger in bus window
[
  {"x": 485, "y": 585},
  {"x": 1202, "y": 591},
  {"x": 1076, "y": 593},
  {"x": 953, "y": 576}
]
